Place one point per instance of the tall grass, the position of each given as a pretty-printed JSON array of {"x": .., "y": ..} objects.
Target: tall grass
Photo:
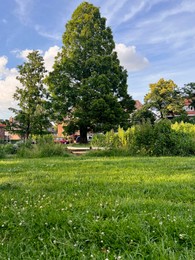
[
  {"x": 43, "y": 147},
  {"x": 97, "y": 208}
]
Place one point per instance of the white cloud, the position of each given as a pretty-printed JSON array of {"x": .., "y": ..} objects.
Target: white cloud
[
  {"x": 22, "y": 54},
  {"x": 8, "y": 83},
  {"x": 49, "y": 57},
  {"x": 3, "y": 62},
  {"x": 130, "y": 59}
]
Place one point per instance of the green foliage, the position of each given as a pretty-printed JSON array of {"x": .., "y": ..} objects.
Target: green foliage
[
  {"x": 9, "y": 148},
  {"x": 88, "y": 84},
  {"x": 142, "y": 115},
  {"x": 33, "y": 116},
  {"x": 44, "y": 147},
  {"x": 2, "y": 151},
  {"x": 184, "y": 128},
  {"x": 165, "y": 97},
  {"x": 160, "y": 139}
]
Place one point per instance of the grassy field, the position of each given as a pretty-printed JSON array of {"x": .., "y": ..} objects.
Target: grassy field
[{"x": 97, "y": 208}]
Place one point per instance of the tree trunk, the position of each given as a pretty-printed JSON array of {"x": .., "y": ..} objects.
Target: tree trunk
[{"x": 83, "y": 134}]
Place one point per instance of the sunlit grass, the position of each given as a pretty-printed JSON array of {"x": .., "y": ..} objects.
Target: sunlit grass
[{"x": 97, "y": 208}]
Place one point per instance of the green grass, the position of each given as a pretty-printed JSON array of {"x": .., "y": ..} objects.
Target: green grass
[{"x": 97, "y": 208}]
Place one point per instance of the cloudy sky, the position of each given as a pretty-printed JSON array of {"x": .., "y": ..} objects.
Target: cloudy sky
[{"x": 154, "y": 39}]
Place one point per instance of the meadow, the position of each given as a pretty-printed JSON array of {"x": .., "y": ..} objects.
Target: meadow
[{"x": 97, "y": 208}]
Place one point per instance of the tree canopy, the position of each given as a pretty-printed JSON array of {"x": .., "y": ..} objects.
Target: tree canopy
[
  {"x": 165, "y": 97},
  {"x": 32, "y": 115},
  {"x": 88, "y": 85}
]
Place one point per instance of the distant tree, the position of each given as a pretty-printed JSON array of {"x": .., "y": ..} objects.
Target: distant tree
[
  {"x": 189, "y": 93},
  {"x": 165, "y": 97},
  {"x": 32, "y": 115},
  {"x": 88, "y": 85},
  {"x": 143, "y": 115}
]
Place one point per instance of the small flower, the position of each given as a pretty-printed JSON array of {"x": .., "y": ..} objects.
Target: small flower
[{"x": 182, "y": 236}]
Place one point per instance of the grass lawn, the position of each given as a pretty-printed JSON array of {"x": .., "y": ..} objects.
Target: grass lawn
[{"x": 97, "y": 208}]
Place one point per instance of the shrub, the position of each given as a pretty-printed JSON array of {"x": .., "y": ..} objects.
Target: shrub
[
  {"x": 99, "y": 140},
  {"x": 10, "y": 148},
  {"x": 2, "y": 151},
  {"x": 44, "y": 147},
  {"x": 144, "y": 136},
  {"x": 184, "y": 128},
  {"x": 160, "y": 139}
]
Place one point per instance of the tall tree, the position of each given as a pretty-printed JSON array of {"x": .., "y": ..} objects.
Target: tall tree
[
  {"x": 165, "y": 97},
  {"x": 88, "y": 85},
  {"x": 32, "y": 117}
]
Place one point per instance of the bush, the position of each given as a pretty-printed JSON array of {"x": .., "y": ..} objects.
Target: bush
[
  {"x": 44, "y": 147},
  {"x": 160, "y": 139},
  {"x": 10, "y": 148},
  {"x": 2, "y": 151}
]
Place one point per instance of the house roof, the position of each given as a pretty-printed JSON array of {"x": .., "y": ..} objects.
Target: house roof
[{"x": 138, "y": 104}]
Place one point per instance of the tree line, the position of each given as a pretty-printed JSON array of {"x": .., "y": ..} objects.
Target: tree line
[{"x": 87, "y": 87}]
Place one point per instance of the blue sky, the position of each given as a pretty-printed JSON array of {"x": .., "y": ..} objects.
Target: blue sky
[{"x": 154, "y": 39}]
